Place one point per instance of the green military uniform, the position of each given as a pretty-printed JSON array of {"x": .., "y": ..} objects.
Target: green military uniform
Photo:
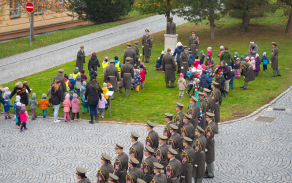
[
  {"x": 175, "y": 141},
  {"x": 187, "y": 156},
  {"x": 199, "y": 146},
  {"x": 178, "y": 119},
  {"x": 194, "y": 111},
  {"x": 188, "y": 129},
  {"x": 136, "y": 150},
  {"x": 217, "y": 100},
  {"x": 112, "y": 73},
  {"x": 80, "y": 171},
  {"x": 203, "y": 109},
  {"x": 184, "y": 60},
  {"x": 166, "y": 131},
  {"x": 136, "y": 49},
  {"x": 173, "y": 169},
  {"x": 247, "y": 72},
  {"x": 159, "y": 177},
  {"x": 147, "y": 165},
  {"x": 121, "y": 165},
  {"x": 274, "y": 60},
  {"x": 129, "y": 52},
  {"x": 105, "y": 169},
  {"x": 161, "y": 152},
  {"x": 127, "y": 73},
  {"x": 146, "y": 46},
  {"x": 152, "y": 137},
  {"x": 169, "y": 67},
  {"x": 209, "y": 100},
  {"x": 194, "y": 45},
  {"x": 113, "y": 178},
  {"x": 134, "y": 173},
  {"x": 80, "y": 59},
  {"x": 210, "y": 146}
]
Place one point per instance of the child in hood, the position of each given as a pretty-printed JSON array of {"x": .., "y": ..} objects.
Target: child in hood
[
  {"x": 137, "y": 79},
  {"x": 257, "y": 65},
  {"x": 32, "y": 105},
  {"x": 6, "y": 93},
  {"x": 76, "y": 73},
  {"x": 209, "y": 49},
  {"x": 105, "y": 63},
  {"x": 196, "y": 63},
  {"x": 237, "y": 69},
  {"x": 181, "y": 83},
  {"x": 83, "y": 75},
  {"x": 78, "y": 84},
  {"x": 101, "y": 105},
  {"x": 84, "y": 104},
  {"x": 83, "y": 88},
  {"x": 202, "y": 57},
  {"x": 265, "y": 61},
  {"x": 7, "y": 108},
  {"x": 67, "y": 106},
  {"x": 17, "y": 110},
  {"x": 75, "y": 107},
  {"x": 142, "y": 63},
  {"x": 142, "y": 74},
  {"x": 23, "y": 117},
  {"x": 252, "y": 63},
  {"x": 72, "y": 82},
  {"x": 44, "y": 104},
  {"x": 205, "y": 80}
]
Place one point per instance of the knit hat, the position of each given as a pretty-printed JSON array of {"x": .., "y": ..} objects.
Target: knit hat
[
  {"x": 181, "y": 75},
  {"x": 142, "y": 63},
  {"x": 93, "y": 54},
  {"x": 264, "y": 54},
  {"x": 33, "y": 95},
  {"x": 6, "y": 89},
  {"x": 75, "y": 95},
  {"x": 44, "y": 95},
  {"x": 84, "y": 83},
  {"x": 242, "y": 57},
  {"x": 204, "y": 72},
  {"x": 178, "y": 44},
  {"x": 70, "y": 76},
  {"x": 18, "y": 104},
  {"x": 217, "y": 66},
  {"x": 221, "y": 47},
  {"x": 209, "y": 48},
  {"x": 197, "y": 75},
  {"x": 137, "y": 70},
  {"x": 201, "y": 52},
  {"x": 67, "y": 97},
  {"x": 18, "y": 97},
  {"x": 76, "y": 69},
  {"x": 104, "y": 85},
  {"x": 82, "y": 71},
  {"x": 162, "y": 52},
  {"x": 22, "y": 106},
  {"x": 236, "y": 53},
  {"x": 141, "y": 67},
  {"x": 116, "y": 58}
]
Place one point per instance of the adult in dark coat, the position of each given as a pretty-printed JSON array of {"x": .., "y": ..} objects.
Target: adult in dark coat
[
  {"x": 177, "y": 53},
  {"x": 173, "y": 169},
  {"x": 136, "y": 49},
  {"x": 188, "y": 129},
  {"x": 152, "y": 137},
  {"x": 1, "y": 98},
  {"x": 121, "y": 163},
  {"x": 159, "y": 176},
  {"x": 147, "y": 46},
  {"x": 56, "y": 98},
  {"x": 175, "y": 141},
  {"x": 111, "y": 73},
  {"x": 147, "y": 165},
  {"x": 247, "y": 72},
  {"x": 194, "y": 44},
  {"x": 60, "y": 78},
  {"x": 217, "y": 99},
  {"x": 161, "y": 152},
  {"x": 178, "y": 119},
  {"x": 129, "y": 52},
  {"x": 92, "y": 95},
  {"x": 93, "y": 62},
  {"x": 227, "y": 57},
  {"x": 80, "y": 58},
  {"x": 106, "y": 168},
  {"x": 137, "y": 148},
  {"x": 199, "y": 146},
  {"x": 194, "y": 111},
  {"x": 187, "y": 160},
  {"x": 169, "y": 69},
  {"x": 127, "y": 72},
  {"x": 274, "y": 60},
  {"x": 226, "y": 73},
  {"x": 184, "y": 58},
  {"x": 20, "y": 89},
  {"x": 92, "y": 74},
  {"x": 134, "y": 172},
  {"x": 203, "y": 110}
]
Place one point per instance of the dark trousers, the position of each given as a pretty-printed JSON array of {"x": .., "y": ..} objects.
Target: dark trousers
[
  {"x": 178, "y": 67},
  {"x": 18, "y": 121},
  {"x": 93, "y": 111},
  {"x": 23, "y": 125},
  {"x": 73, "y": 115},
  {"x": 265, "y": 68},
  {"x": 190, "y": 88}
]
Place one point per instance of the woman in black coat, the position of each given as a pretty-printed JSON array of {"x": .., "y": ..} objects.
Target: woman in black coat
[
  {"x": 92, "y": 95},
  {"x": 20, "y": 88},
  {"x": 56, "y": 98},
  {"x": 93, "y": 62}
]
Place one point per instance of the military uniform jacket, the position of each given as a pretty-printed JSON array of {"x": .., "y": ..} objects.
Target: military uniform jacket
[
  {"x": 127, "y": 73},
  {"x": 173, "y": 171},
  {"x": 133, "y": 175},
  {"x": 147, "y": 45},
  {"x": 147, "y": 168},
  {"x": 161, "y": 155},
  {"x": 121, "y": 166},
  {"x": 152, "y": 139},
  {"x": 129, "y": 52},
  {"x": 84, "y": 180},
  {"x": 217, "y": 100},
  {"x": 203, "y": 109},
  {"x": 112, "y": 73},
  {"x": 187, "y": 161},
  {"x": 137, "y": 152},
  {"x": 159, "y": 178},
  {"x": 169, "y": 67},
  {"x": 194, "y": 45},
  {"x": 103, "y": 173},
  {"x": 188, "y": 130},
  {"x": 175, "y": 142},
  {"x": 194, "y": 111},
  {"x": 274, "y": 58},
  {"x": 136, "y": 49},
  {"x": 178, "y": 120},
  {"x": 210, "y": 103},
  {"x": 184, "y": 59},
  {"x": 199, "y": 146},
  {"x": 247, "y": 71},
  {"x": 166, "y": 131},
  {"x": 210, "y": 147},
  {"x": 80, "y": 59}
]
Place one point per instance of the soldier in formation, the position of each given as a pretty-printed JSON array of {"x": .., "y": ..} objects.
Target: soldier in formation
[
  {"x": 121, "y": 163},
  {"x": 80, "y": 175},
  {"x": 106, "y": 168},
  {"x": 178, "y": 119},
  {"x": 129, "y": 52},
  {"x": 159, "y": 176},
  {"x": 147, "y": 165},
  {"x": 134, "y": 171},
  {"x": 168, "y": 118},
  {"x": 152, "y": 137},
  {"x": 127, "y": 73},
  {"x": 161, "y": 152},
  {"x": 137, "y": 148},
  {"x": 210, "y": 146}
]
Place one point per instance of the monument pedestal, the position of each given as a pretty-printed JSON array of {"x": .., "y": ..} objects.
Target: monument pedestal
[{"x": 170, "y": 41}]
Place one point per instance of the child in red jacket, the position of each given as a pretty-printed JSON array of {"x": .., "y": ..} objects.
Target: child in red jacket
[{"x": 142, "y": 74}]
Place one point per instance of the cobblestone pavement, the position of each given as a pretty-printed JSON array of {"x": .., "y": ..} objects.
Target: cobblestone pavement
[
  {"x": 246, "y": 150},
  {"x": 53, "y": 55}
]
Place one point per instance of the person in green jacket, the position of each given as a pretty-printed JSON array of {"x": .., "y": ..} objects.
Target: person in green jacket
[{"x": 227, "y": 57}]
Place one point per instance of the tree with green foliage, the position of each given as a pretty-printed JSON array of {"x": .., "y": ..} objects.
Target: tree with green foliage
[
  {"x": 161, "y": 7},
  {"x": 197, "y": 10},
  {"x": 99, "y": 11},
  {"x": 287, "y": 6}
]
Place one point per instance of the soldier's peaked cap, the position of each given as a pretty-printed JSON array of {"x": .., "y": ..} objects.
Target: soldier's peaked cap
[
  {"x": 200, "y": 129},
  {"x": 187, "y": 116},
  {"x": 173, "y": 127},
  {"x": 201, "y": 93},
  {"x": 149, "y": 123},
  {"x": 80, "y": 170},
  {"x": 168, "y": 115},
  {"x": 207, "y": 90},
  {"x": 172, "y": 151},
  {"x": 179, "y": 104},
  {"x": 112, "y": 61},
  {"x": 194, "y": 99},
  {"x": 105, "y": 156},
  {"x": 129, "y": 44},
  {"x": 119, "y": 146},
  {"x": 112, "y": 177},
  {"x": 147, "y": 30},
  {"x": 210, "y": 115},
  {"x": 158, "y": 165},
  {"x": 149, "y": 149},
  {"x": 134, "y": 160},
  {"x": 162, "y": 137},
  {"x": 140, "y": 180},
  {"x": 128, "y": 58},
  {"x": 134, "y": 134},
  {"x": 187, "y": 139},
  {"x": 136, "y": 42}
]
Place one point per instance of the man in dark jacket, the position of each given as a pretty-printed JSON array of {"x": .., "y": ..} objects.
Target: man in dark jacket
[
  {"x": 129, "y": 52},
  {"x": 169, "y": 69},
  {"x": 177, "y": 52},
  {"x": 227, "y": 74},
  {"x": 93, "y": 62},
  {"x": 80, "y": 58},
  {"x": 274, "y": 60},
  {"x": 62, "y": 80}
]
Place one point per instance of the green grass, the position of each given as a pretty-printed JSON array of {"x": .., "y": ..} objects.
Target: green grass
[
  {"x": 156, "y": 99},
  {"x": 22, "y": 45}
]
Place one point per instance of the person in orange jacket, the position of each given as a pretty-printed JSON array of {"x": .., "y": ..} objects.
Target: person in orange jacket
[{"x": 44, "y": 104}]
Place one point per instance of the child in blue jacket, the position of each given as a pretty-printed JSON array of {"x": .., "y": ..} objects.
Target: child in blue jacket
[
  {"x": 7, "y": 107},
  {"x": 265, "y": 61},
  {"x": 84, "y": 104}
]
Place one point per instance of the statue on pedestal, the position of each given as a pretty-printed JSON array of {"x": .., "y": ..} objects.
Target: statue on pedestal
[{"x": 171, "y": 27}]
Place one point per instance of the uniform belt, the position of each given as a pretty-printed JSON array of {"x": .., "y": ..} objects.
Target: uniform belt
[
  {"x": 174, "y": 178},
  {"x": 202, "y": 152},
  {"x": 185, "y": 62},
  {"x": 127, "y": 73},
  {"x": 111, "y": 76}
]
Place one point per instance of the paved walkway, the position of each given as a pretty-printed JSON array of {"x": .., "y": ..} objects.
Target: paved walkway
[
  {"x": 246, "y": 150},
  {"x": 50, "y": 56}
]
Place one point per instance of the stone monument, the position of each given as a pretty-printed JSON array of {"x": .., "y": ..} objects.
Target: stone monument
[{"x": 170, "y": 39}]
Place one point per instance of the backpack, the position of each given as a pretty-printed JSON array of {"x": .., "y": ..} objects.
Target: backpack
[{"x": 265, "y": 61}]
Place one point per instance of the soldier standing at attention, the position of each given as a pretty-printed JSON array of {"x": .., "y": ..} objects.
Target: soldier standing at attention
[
  {"x": 137, "y": 148},
  {"x": 203, "y": 111},
  {"x": 175, "y": 141},
  {"x": 217, "y": 98},
  {"x": 121, "y": 163},
  {"x": 194, "y": 111},
  {"x": 161, "y": 152},
  {"x": 80, "y": 174},
  {"x": 147, "y": 45},
  {"x": 178, "y": 119},
  {"x": 199, "y": 146},
  {"x": 136, "y": 49},
  {"x": 152, "y": 137},
  {"x": 127, "y": 73},
  {"x": 274, "y": 60},
  {"x": 188, "y": 129},
  {"x": 168, "y": 118},
  {"x": 173, "y": 169},
  {"x": 129, "y": 52},
  {"x": 80, "y": 58},
  {"x": 147, "y": 165},
  {"x": 194, "y": 44},
  {"x": 113, "y": 179},
  {"x": 184, "y": 59},
  {"x": 210, "y": 146},
  {"x": 159, "y": 174},
  {"x": 105, "y": 169},
  {"x": 169, "y": 69},
  {"x": 209, "y": 100},
  {"x": 187, "y": 161},
  {"x": 134, "y": 172},
  {"x": 112, "y": 73}
]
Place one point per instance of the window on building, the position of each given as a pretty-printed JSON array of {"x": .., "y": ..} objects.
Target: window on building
[{"x": 15, "y": 9}]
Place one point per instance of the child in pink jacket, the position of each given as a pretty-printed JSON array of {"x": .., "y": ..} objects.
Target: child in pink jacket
[
  {"x": 75, "y": 107},
  {"x": 23, "y": 117},
  {"x": 101, "y": 105},
  {"x": 66, "y": 105},
  {"x": 252, "y": 63}
]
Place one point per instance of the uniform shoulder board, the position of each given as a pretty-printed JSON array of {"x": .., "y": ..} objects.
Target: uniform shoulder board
[
  {"x": 129, "y": 179},
  {"x": 184, "y": 157},
  {"x": 100, "y": 176},
  {"x": 117, "y": 165},
  {"x": 169, "y": 171}
]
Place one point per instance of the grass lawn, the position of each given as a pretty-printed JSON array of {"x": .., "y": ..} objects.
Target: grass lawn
[
  {"x": 22, "y": 45},
  {"x": 156, "y": 99}
]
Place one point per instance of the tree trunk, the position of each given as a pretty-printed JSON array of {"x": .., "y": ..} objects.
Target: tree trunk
[
  {"x": 289, "y": 23},
  {"x": 32, "y": 25},
  {"x": 167, "y": 13},
  {"x": 212, "y": 24},
  {"x": 245, "y": 22}
]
